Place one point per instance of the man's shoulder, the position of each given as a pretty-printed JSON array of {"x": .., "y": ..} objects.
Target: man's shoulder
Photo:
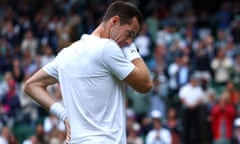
[
  {"x": 94, "y": 39},
  {"x": 186, "y": 86}
]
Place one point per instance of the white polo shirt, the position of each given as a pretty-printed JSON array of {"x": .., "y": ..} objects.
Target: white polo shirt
[
  {"x": 191, "y": 94},
  {"x": 90, "y": 73},
  {"x": 164, "y": 136}
]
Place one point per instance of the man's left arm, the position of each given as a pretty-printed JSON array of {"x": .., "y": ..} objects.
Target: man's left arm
[{"x": 35, "y": 87}]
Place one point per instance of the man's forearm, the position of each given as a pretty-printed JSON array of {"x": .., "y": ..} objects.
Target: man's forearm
[
  {"x": 40, "y": 95},
  {"x": 142, "y": 70},
  {"x": 140, "y": 78},
  {"x": 36, "y": 86}
]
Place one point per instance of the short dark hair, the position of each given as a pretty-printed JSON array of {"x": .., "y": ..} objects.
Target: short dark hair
[{"x": 125, "y": 10}]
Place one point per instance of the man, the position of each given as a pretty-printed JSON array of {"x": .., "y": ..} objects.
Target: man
[
  {"x": 91, "y": 73},
  {"x": 191, "y": 96},
  {"x": 5, "y": 135},
  {"x": 158, "y": 134},
  {"x": 236, "y": 131}
]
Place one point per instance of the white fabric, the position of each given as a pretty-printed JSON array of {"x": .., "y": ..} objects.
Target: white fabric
[
  {"x": 90, "y": 73},
  {"x": 156, "y": 114},
  {"x": 3, "y": 140},
  {"x": 221, "y": 69},
  {"x": 172, "y": 71},
  {"x": 163, "y": 37},
  {"x": 164, "y": 136},
  {"x": 191, "y": 94},
  {"x": 131, "y": 52},
  {"x": 237, "y": 122},
  {"x": 58, "y": 110}
]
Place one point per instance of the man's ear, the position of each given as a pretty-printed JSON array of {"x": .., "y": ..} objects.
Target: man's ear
[{"x": 115, "y": 20}]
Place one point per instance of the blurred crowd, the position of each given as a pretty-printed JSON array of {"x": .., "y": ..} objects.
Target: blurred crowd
[{"x": 192, "y": 49}]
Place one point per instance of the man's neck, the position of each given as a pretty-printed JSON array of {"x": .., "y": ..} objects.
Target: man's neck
[{"x": 101, "y": 31}]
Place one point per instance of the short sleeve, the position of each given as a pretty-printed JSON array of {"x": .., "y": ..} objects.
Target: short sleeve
[
  {"x": 182, "y": 93},
  {"x": 115, "y": 61},
  {"x": 52, "y": 68}
]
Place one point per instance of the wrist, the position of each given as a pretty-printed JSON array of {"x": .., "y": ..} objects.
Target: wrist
[
  {"x": 131, "y": 52},
  {"x": 58, "y": 110}
]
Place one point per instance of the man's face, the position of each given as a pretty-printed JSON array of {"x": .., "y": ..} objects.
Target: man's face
[
  {"x": 124, "y": 34},
  {"x": 156, "y": 123}
]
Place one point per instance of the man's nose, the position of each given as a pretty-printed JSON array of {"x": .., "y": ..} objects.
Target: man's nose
[{"x": 129, "y": 41}]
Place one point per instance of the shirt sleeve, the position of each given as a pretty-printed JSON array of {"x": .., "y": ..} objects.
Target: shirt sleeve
[
  {"x": 181, "y": 93},
  {"x": 52, "y": 68},
  {"x": 115, "y": 61}
]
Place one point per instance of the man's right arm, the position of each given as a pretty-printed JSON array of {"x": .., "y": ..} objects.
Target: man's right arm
[
  {"x": 127, "y": 65},
  {"x": 139, "y": 79}
]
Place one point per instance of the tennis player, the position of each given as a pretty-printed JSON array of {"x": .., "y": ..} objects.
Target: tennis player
[{"x": 92, "y": 72}]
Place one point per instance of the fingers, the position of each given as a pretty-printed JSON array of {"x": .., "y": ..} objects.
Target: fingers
[{"x": 68, "y": 132}]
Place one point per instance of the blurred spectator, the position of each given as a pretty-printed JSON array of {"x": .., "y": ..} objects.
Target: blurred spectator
[
  {"x": 47, "y": 55},
  {"x": 191, "y": 96},
  {"x": 10, "y": 31},
  {"x": 63, "y": 33},
  {"x": 158, "y": 62},
  {"x": 51, "y": 122},
  {"x": 158, "y": 98},
  {"x": 137, "y": 101},
  {"x": 208, "y": 45},
  {"x": 13, "y": 139},
  {"x": 5, "y": 135},
  {"x": 203, "y": 24},
  {"x": 130, "y": 118},
  {"x": 209, "y": 101},
  {"x": 56, "y": 137},
  {"x": 202, "y": 68},
  {"x": 29, "y": 113},
  {"x": 40, "y": 134},
  {"x": 17, "y": 71},
  {"x": 231, "y": 50},
  {"x": 221, "y": 66},
  {"x": 152, "y": 23},
  {"x": 133, "y": 135},
  {"x": 176, "y": 48},
  {"x": 222, "y": 115},
  {"x": 158, "y": 134},
  {"x": 143, "y": 42},
  {"x": 55, "y": 140},
  {"x": 167, "y": 34},
  {"x": 31, "y": 140},
  {"x": 173, "y": 69},
  {"x": 224, "y": 15},
  {"x": 10, "y": 101},
  {"x": 3, "y": 88},
  {"x": 5, "y": 55},
  {"x": 235, "y": 30},
  {"x": 33, "y": 66},
  {"x": 189, "y": 33},
  {"x": 158, "y": 67},
  {"x": 184, "y": 71},
  {"x": 232, "y": 93},
  {"x": 222, "y": 37},
  {"x": 173, "y": 124},
  {"x": 236, "y": 131},
  {"x": 30, "y": 44},
  {"x": 235, "y": 71}
]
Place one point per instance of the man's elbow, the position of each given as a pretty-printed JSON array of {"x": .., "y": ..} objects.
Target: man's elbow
[
  {"x": 147, "y": 87},
  {"x": 27, "y": 86}
]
